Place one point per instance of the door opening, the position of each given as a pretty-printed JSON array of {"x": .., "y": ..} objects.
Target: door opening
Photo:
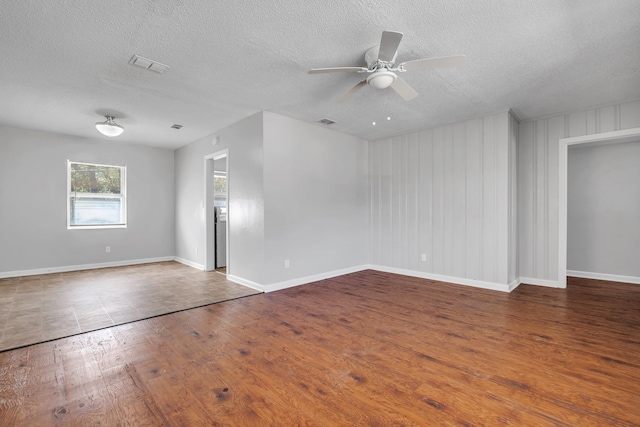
[
  {"x": 220, "y": 214},
  {"x": 217, "y": 212},
  {"x": 615, "y": 137}
]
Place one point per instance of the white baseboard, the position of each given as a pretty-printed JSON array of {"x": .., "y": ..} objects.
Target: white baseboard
[
  {"x": 230, "y": 277},
  {"x": 540, "y": 282},
  {"x": 514, "y": 284},
  {"x": 189, "y": 263},
  {"x": 449, "y": 279},
  {"x": 314, "y": 278},
  {"x": 317, "y": 277},
  {"x": 68, "y": 268},
  {"x": 602, "y": 276},
  {"x": 245, "y": 282}
]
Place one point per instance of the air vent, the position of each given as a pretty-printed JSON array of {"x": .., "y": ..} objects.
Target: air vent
[
  {"x": 148, "y": 64},
  {"x": 176, "y": 127},
  {"x": 326, "y": 121}
]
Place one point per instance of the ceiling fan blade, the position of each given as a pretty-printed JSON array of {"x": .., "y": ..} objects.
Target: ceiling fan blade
[
  {"x": 337, "y": 70},
  {"x": 389, "y": 45},
  {"x": 351, "y": 92},
  {"x": 404, "y": 90},
  {"x": 430, "y": 63}
]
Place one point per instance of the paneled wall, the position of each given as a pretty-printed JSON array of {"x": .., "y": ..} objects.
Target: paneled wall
[
  {"x": 514, "y": 129},
  {"x": 443, "y": 201},
  {"x": 538, "y": 181}
]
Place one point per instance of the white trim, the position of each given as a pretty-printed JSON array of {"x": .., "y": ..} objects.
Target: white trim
[
  {"x": 189, "y": 263},
  {"x": 615, "y": 137},
  {"x": 314, "y": 278},
  {"x": 322, "y": 276},
  {"x": 540, "y": 282},
  {"x": 245, "y": 282},
  {"x": 514, "y": 284},
  {"x": 603, "y": 276},
  {"x": 449, "y": 279},
  {"x": 68, "y": 268},
  {"x": 96, "y": 227}
]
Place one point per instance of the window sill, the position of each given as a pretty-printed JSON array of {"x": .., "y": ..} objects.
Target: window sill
[{"x": 95, "y": 227}]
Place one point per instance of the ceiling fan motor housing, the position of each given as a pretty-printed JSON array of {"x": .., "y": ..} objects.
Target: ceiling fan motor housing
[
  {"x": 382, "y": 78},
  {"x": 381, "y": 68},
  {"x": 371, "y": 58}
]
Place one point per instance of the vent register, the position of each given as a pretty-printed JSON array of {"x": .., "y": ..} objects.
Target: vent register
[
  {"x": 148, "y": 64},
  {"x": 151, "y": 65}
]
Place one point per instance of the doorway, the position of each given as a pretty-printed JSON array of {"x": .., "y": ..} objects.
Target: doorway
[
  {"x": 615, "y": 137},
  {"x": 217, "y": 212}
]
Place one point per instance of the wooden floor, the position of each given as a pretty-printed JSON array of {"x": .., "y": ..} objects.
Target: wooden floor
[
  {"x": 365, "y": 349},
  {"x": 48, "y": 306}
]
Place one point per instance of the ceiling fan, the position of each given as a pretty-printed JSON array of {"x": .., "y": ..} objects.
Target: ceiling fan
[{"x": 382, "y": 69}]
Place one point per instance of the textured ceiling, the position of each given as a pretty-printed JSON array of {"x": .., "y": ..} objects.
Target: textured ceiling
[{"x": 65, "y": 64}]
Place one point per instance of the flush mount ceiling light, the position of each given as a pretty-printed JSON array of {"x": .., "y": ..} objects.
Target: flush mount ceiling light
[
  {"x": 381, "y": 79},
  {"x": 109, "y": 127}
]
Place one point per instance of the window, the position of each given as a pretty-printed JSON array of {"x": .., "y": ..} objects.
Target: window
[
  {"x": 220, "y": 183},
  {"x": 220, "y": 188},
  {"x": 96, "y": 196}
]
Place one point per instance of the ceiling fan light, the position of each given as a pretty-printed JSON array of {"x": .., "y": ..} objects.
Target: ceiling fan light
[
  {"x": 381, "y": 79},
  {"x": 109, "y": 127}
]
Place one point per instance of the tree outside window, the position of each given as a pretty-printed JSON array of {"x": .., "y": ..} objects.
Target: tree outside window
[{"x": 96, "y": 196}]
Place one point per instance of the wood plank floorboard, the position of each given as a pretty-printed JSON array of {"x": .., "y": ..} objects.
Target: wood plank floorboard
[
  {"x": 368, "y": 348},
  {"x": 49, "y": 306}
]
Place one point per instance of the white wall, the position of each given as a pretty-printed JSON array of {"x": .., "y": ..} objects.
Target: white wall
[
  {"x": 245, "y": 192},
  {"x": 448, "y": 193},
  {"x": 603, "y": 209},
  {"x": 296, "y": 191},
  {"x": 538, "y": 181},
  {"x": 316, "y": 205},
  {"x": 33, "y": 187}
]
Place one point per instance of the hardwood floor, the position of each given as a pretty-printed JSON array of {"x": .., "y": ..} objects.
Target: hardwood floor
[
  {"x": 44, "y": 307},
  {"x": 367, "y": 348}
]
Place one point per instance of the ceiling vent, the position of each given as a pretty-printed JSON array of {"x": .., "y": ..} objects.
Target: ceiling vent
[
  {"x": 148, "y": 64},
  {"x": 326, "y": 121},
  {"x": 176, "y": 127}
]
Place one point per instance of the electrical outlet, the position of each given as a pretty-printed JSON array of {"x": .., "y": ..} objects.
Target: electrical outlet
[
  {"x": 286, "y": 263},
  {"x": 107, "y": 249},
  {"x": 424, "y": 257},
  {"x": 196, "y": 249}
]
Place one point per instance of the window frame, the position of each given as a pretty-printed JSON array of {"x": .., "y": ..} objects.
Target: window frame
[{"x": 122, "y": 196}]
